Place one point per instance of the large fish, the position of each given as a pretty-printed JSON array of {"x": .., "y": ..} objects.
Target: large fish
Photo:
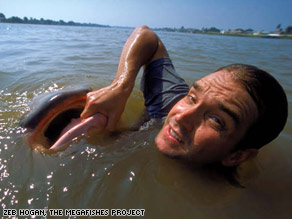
[{"x": 55, "y": 121}]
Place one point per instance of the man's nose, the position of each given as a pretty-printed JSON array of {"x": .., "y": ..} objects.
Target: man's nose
[{"x": 188, "y": 118}]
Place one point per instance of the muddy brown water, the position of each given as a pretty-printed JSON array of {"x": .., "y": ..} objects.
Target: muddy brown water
[{"x": 125, "y": 171}]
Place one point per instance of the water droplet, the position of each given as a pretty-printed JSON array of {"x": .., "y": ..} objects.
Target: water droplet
[{"x": 29, "y": 201}]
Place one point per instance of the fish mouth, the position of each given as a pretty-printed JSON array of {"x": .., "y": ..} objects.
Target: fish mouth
[
  {"x": 56, "y": 126},
  {"x": 53, "y": 113}
]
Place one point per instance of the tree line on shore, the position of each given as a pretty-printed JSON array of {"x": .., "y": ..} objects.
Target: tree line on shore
[
  {"x": 31, "y": 20},
  {"x": 279, "y": 30},
  {"x": 25, "y": 20}
]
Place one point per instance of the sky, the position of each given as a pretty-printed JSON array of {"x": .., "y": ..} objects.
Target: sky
[{"x": 224, "y": 14}]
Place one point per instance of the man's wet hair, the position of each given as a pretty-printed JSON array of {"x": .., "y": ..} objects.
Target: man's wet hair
[{"x": 271, "y": 102}]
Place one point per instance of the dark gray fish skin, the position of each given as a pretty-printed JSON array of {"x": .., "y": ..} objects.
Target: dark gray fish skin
[{"x": 49, "y": 102}]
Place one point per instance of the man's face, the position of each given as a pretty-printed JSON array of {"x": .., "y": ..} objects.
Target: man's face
[{"x": 209, "y": 121}]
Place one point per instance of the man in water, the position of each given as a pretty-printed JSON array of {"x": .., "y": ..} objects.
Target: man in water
[{"x": 224, "y": 117}]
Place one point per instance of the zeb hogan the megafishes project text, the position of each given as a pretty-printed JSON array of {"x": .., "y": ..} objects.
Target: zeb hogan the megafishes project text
[{"x": 73, "y": 212}]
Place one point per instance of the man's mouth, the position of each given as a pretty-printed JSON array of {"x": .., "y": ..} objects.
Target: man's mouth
[{"x": 175, "y": 135}]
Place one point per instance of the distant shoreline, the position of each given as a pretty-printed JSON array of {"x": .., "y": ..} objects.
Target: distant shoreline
[
  {"x": 25, "y": 20},
  {"x": 240, "y": 34},
  {"x": 284, "y": 36},
  {"x": 209, "y": 31}
]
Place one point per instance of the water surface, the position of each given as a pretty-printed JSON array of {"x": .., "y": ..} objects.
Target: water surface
[{"x": 126, "y": 170}]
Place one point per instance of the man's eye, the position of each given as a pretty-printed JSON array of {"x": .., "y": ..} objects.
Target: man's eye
[
  {"x": 191, "y": 98},
  {"x": 215, "y": 119},
  {"x": 218, "y": 123}
]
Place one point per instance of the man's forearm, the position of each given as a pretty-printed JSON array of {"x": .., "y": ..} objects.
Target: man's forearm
[{"x": 138, "y": 51}]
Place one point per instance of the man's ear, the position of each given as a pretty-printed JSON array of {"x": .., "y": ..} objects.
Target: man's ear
[{"x": 238, "y": 157}]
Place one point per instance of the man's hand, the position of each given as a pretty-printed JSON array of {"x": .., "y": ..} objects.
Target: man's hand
[{"x": 109, "y": 101}]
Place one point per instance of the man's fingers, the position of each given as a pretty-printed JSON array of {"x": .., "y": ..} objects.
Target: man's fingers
[
  {"x": 112, "y": 123},
  {"x": 86, "y": 113}
]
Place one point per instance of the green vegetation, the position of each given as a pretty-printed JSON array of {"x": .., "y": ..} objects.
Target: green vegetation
[
  {"x": 279, "y": 33},
  {"x": 25, "y": 20}
]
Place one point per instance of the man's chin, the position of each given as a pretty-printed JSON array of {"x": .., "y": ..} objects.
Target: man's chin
[
  {"x": 171, "y": 153},
  {"x": 166, "y": 149}
]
